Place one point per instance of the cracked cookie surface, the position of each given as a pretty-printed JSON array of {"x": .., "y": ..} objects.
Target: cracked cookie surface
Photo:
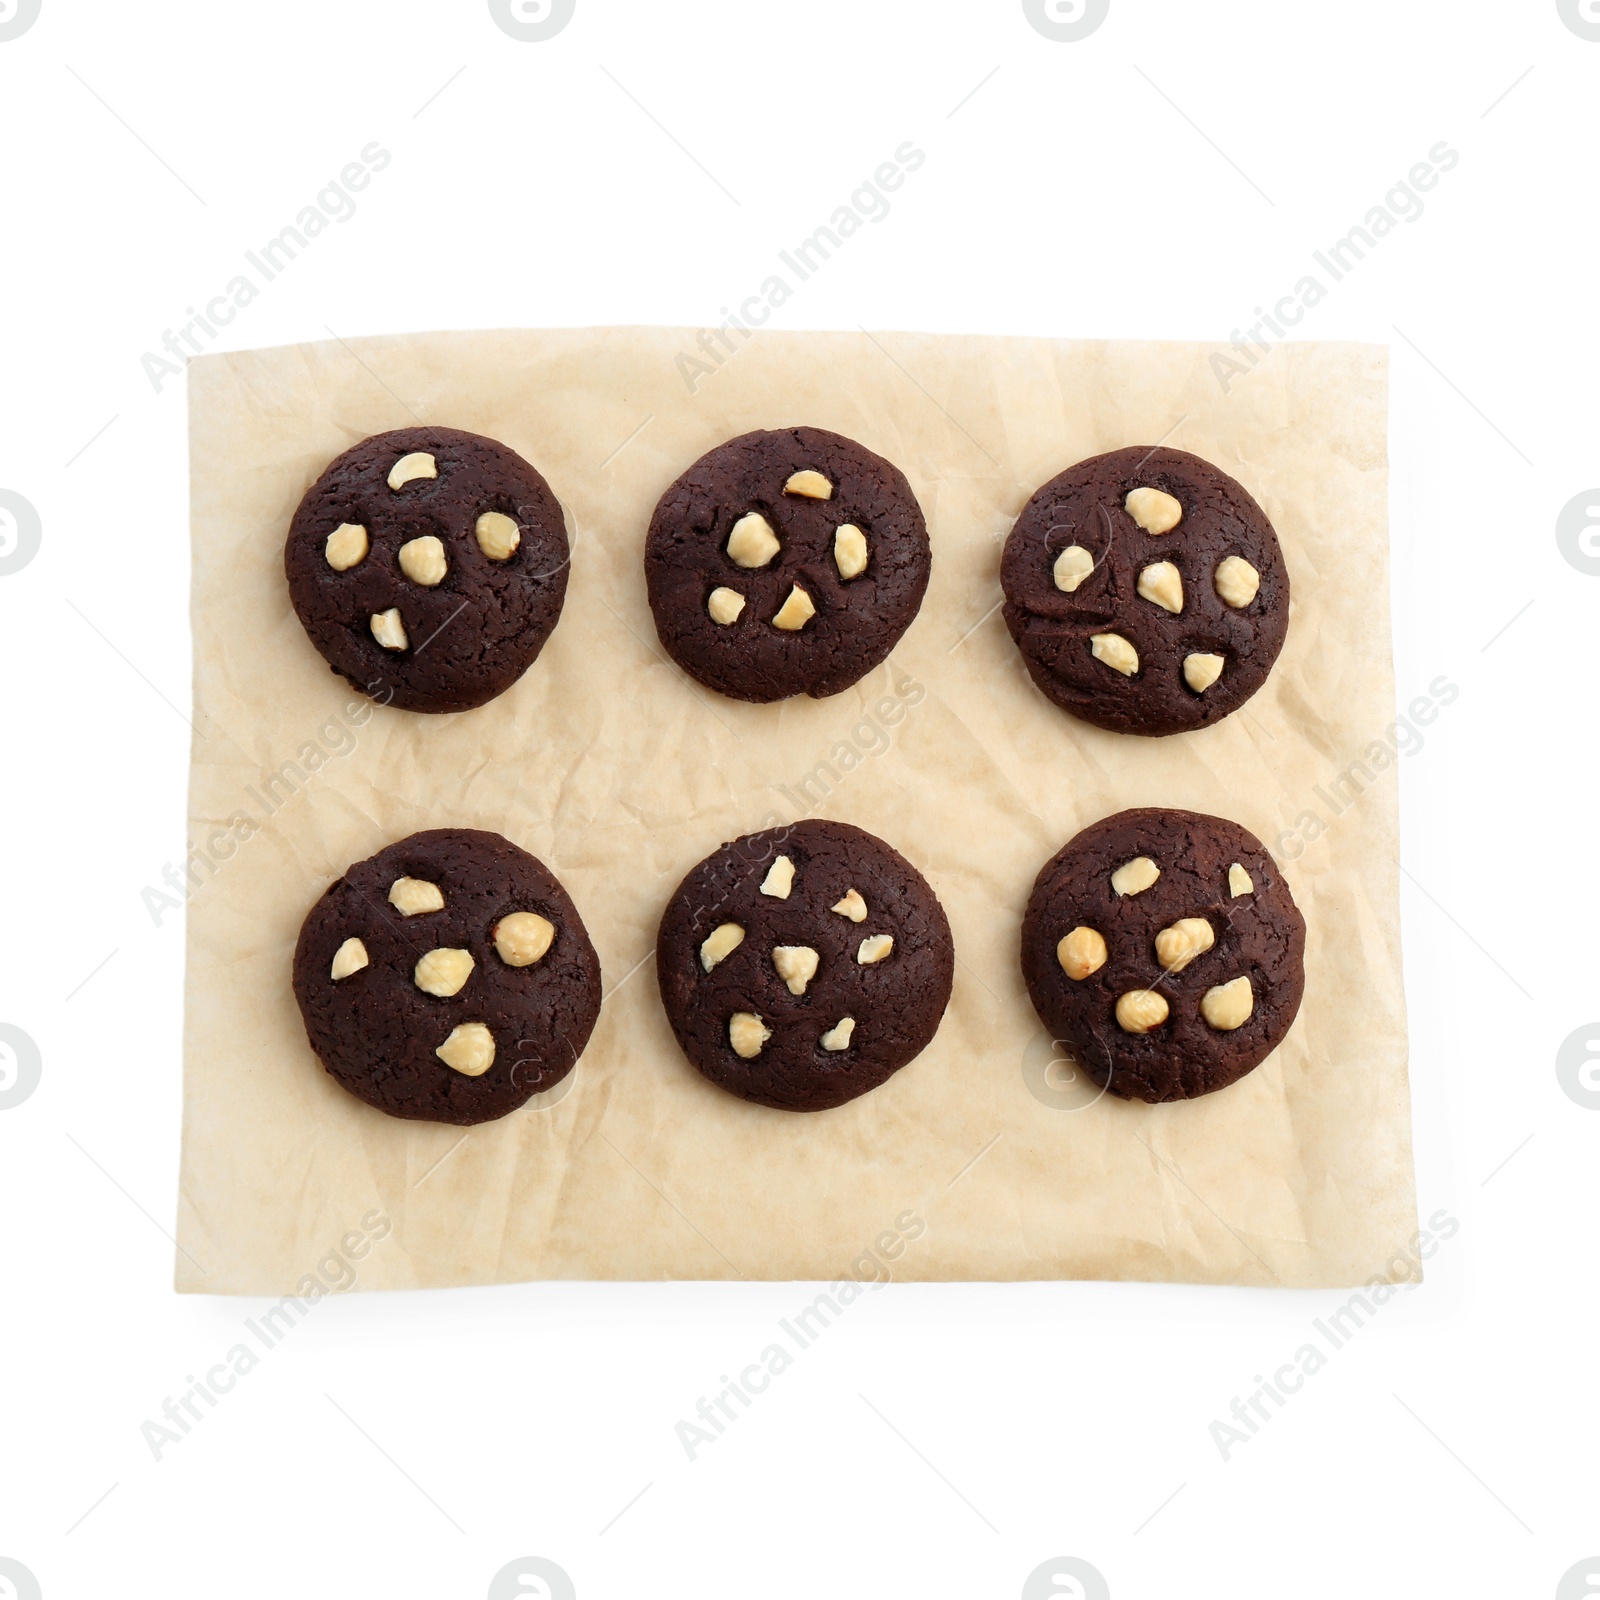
[
  {"x": 428, "y": 566},
  {"x": 1165, "y": 949},
  {"x": 448, "y": 978},
  {"x": 786, "y": 562},
  {"x": 1146, "y": 591},
  {"x": 803, "y": 966}
]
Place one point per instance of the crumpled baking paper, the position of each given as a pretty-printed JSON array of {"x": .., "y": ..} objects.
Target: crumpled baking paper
[{"x": 985, "y": 1158}]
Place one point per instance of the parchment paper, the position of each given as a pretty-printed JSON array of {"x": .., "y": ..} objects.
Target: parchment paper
[{"x": 981, "y": 1159}]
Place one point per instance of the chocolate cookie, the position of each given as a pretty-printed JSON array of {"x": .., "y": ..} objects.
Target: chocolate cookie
[
  {"x": 786, "y": 563},
  {"x": 447, "y": 978},
  {"x": 803, "y": 966},
  {"x": 1165, "y": 949},
  {"x": 429, "y": 567},
  {"x": 1146, "y": 591}
]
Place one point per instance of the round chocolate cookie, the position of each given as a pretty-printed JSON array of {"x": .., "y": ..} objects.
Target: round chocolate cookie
[
  {"x": 1165, "y": 949},
  {"x": 448, "y": 978},
  {"x": 803, "y": 966},
  {"x": 1146, "y": 591},
  {"x": 786, "y": 563},
  {"x": 428, "y": 566}
]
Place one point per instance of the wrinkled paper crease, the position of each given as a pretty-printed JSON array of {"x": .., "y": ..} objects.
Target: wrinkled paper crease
[{"x": 620, "y": 773}]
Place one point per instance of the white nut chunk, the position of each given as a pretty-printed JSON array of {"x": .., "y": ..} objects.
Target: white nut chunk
[
  {"x": 796, "y": 964},
  {"x": 1236, "y": 581},
  {"x": 1239, "y": 882},
  {"x": 747, "y": 1033},
  {"x": 469, "y": 1050},
  {"x": 752, "y": 542},
  {"x": 346, "y": 546},
  {"x": 875, "y": 947},
  {"x": 350, "y": 957},
  {"x": 810, "y": 485},
  {"x": 1081, "y": 952},
  {"x": 1115, "y": 651},
  {"x": 1134, "y": 877},
  {"x": 419, "y": 464},
  {"x": 1187, "y": 938},
  {"x": 1140, "y": 1010},
  {"x": 1162, "y": 584},
  {"x": 412, "y": 896},
  {"x": 1154, "y": 510},
  {"x": 443, "y": 972},
  {"x": 849, "y": 551},
  {"x": 422, "y": 560},
  {"x": 779, "y": 879},
  {"x": 523, "y": 938},
  {"x": 851, "y": 906},
  {"x": 388, "y": 629},
  {"x": 838, "y": 1036},
  {"x": 725, "y": 605},
  {"x": 1228, "y": 1006},
  {"x": 498, "y": 535},
  {"x": 1072, "y": 566},
  {"x": 795, "y": 612},
  {"x": 720, "y": 943},
  {"x": 1202, "y": 669}
]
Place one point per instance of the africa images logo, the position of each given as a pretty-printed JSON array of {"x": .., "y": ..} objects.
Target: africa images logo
[
  {"x": 1582, "y": 16},
  {"x": 532, "y": 1578},
  {"x": 1065, "y": 21},
  {"x": 1578, "y": 1066},
  {"x": 20, "y": 532},
  {"x": 16, "y": 17},
  {"x": 1065, "y": 1578},
  {"x": 1578, "y": 532},
  {"x": 20, "y": 1066},
  {"x": 531, "y": 21}
]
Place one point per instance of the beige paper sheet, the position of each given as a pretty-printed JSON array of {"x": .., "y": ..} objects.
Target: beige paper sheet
[{"x": 979, "y": 1160}]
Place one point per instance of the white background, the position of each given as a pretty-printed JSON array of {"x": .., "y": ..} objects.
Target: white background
[{"x": 1445, "y": 1449}]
